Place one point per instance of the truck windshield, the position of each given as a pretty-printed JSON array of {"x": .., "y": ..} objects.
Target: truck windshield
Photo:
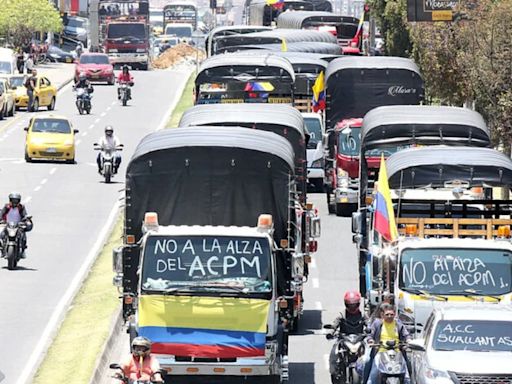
[
  {"x": 178, "y": 30},
  {"x": 315, "y": 131},
  {"x": 473, "y": 335},
  {"x": 215, "y": 263},
  {"x": 126, "y": 30},
  {"x": 349, "y": 144},
  {"x": 453, "y": 271}
]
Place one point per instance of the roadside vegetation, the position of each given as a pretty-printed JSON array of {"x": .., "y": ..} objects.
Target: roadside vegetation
[{"x": 186, "y": 101}]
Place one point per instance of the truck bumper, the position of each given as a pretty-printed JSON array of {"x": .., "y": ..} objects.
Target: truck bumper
[
  {"x": 242, "y": 367},
  {"x": 128, "y": 58},
  {"x": 316, "y": 173},
  {"x": 346, "y": 196}
]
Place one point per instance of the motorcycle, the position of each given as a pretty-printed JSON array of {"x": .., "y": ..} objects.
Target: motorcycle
[
  {"x": 83, "y": 100},
  {"x": 125, "y": 92},
  {"x": 391, "y": 364},
  {"x": 107, "y": 161},
  {"x": 347, "y": 348},
  {"x": 12, "y": 246},
  {"x": 122, "y": 377}
]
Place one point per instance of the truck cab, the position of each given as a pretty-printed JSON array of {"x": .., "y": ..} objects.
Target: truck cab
[{"x": 207, "y": 299}]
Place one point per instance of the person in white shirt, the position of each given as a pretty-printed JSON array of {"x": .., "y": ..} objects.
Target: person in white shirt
[{"x": 109, "y": 142}]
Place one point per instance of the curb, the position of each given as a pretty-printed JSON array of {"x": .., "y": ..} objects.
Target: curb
[
  {"x": 66, "y": 82},
  {"x": 102, "y": 362}
]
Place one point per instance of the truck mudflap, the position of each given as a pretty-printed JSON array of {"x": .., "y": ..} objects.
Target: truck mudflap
[{"x": 277, "y": 366}]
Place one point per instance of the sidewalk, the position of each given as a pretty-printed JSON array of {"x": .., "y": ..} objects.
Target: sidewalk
[{"x": 59, "y": 74}]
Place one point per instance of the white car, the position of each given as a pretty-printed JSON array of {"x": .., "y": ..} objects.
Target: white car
[
  {"x": 315, "y": 150},
  {"x": 465, "y": 345}
]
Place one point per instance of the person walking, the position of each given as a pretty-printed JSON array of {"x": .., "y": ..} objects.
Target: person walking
[{"x": 30, "y": 85}]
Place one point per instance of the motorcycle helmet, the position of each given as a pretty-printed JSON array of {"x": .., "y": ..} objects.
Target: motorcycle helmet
[
  {"x": 14, "y": 198},
  {"x": 82, "y": 76},
  {"x": 125, "y": 69},
  {"x": 352, "y": 301},
  {"x": 109, "y": 130},
  {"x": 141, "y": 346}
]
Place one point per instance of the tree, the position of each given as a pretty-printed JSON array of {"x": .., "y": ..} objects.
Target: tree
[
  {"x": 391, "y": 17},
  {"x": 470, "y": 60},
  {"x": 19, "y": 19}
]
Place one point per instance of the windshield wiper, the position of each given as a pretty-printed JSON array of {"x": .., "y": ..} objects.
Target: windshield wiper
[
  {"x": 425, "y": 293},
  {"x": 473, "y": 294}
]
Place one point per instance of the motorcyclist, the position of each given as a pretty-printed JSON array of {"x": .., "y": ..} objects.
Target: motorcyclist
[
  {"x": 109, "y": 141},
  {"x": 141, "y": 364},
  {"x": 352, "y": 322},
  {"x": 15, "y": 212},
  {"x": 125, "y": 77},
  {"x": 82, "y": 82},
  {"x": 384, "y": 329}
]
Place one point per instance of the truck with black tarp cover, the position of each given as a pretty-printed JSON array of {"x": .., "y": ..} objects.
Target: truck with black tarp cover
[
  {"x": 193, "y": 198},
  {"x": 353, "y": 86}
]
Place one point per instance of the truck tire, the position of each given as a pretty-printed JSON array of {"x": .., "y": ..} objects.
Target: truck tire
[{"x": 330, "y": 206}]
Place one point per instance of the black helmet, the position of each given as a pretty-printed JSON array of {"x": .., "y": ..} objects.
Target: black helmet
[
  {"x": 14, "y": 198},
  {"x": 141, "y": 346},
  {"x": 109, "y": 130},
  {"x": 125, "y": 68}
]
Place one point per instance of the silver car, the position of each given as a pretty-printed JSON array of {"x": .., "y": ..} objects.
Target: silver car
[{"x": 465, "y": 345}]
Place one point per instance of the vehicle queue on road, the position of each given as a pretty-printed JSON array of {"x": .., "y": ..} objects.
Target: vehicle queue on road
[{"x": 219, "y": 232}]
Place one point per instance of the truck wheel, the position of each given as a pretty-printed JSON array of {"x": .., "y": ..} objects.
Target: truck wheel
[{"x": 330, "y": 206}]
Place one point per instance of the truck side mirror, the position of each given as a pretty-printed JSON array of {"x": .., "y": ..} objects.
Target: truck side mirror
[
  {"x": 117, "y": 260},
  {"x": 357, "y": 223},
  {"x": 357, "y": 239},
  {"x": 417, "y": 345},
  {"x": 315, "y": 227}
]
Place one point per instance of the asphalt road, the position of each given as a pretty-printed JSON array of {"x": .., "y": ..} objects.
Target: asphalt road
[
  {"x": 332, "y": 272},
  {"x": 70, "y": 205}
]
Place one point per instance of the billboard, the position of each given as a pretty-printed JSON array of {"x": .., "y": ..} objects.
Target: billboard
[{"x": 430, "y": 10}]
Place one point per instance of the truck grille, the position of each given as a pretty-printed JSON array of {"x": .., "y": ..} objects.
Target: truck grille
[
  {"x": 54, "y": 154},
  {"x": 126, "y": 50},
  {"x": 464, "y": 378}
]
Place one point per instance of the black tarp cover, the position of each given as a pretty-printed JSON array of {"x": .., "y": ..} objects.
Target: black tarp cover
[
  {"x": 423, "y": 124},
  {"x": 209, "y": 176},
  {"x": 301, "y": 19},
  {"x": 434, "y": 166},
  {"x": 357, "y": 84},
  {"x": 326, "y": 51},
  {"x": 283, "y": 120}
]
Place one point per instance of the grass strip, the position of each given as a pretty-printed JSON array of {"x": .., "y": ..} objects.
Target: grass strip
[
  {"x": 72, "y": 356},
  {"x": 186, "y": 101}
]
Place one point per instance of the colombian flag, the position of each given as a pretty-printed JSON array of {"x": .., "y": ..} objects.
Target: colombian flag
[
  {"x": 260, "y": 86},
  {"x": 200, "y": 326},
  {"x": 319, "y": 93},
  {"x": 384, "y": 216}
]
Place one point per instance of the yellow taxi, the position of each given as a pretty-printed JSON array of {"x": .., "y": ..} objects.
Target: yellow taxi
[
  {"x": 45, "y": 95},
  {"x": 8, "y": 95},
  {"x": 50, "y": 137}
]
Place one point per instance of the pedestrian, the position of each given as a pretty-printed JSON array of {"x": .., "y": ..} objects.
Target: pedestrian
[
  {"x": 30, "y": 85},
  {"x": 29, "y": 63}
]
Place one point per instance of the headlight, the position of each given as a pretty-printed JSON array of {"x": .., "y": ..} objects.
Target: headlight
[
  {"x": 141, "y": 50},
  {"x": 354, "y": 348},
  {"x": 342, "y": 173},
  {"x": 37, "y": 141},
  {"x": 319, "y": 163},
  {"x": 440, "y": 377}
]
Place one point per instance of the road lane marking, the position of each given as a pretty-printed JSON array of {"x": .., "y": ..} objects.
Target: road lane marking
[
  {"x": 44, "y": 181},
  {"x": 19, "y": 161},
  {"x": 97, "y": 121},
  {"x": 52, "y": 171},
  {"x": 91, "y": 126},
  {"x": 84, "y": 133},
  {"x": 316, "y": 283},
  {"x": 318, "y": 305},
  {"x": 103, "y": 114},
  {"x": 326, "y": 362},
  {"x": 37, "y": 188},
  {"x": 114, "y": 102},
  {"x": 27, "y": 199},
  {"x": 61, "y": 308},
  {"x": 312, "y": 264},
  {"x": 78, "y": 142},
  {"x": 109, "y": 108}
]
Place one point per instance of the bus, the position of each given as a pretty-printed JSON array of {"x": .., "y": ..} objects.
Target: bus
[{"x": 180, "y": 12}]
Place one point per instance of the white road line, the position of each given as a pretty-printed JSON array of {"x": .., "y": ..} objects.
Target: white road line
[
  {"x": 318, "y": 305},
  {"x": 62, "y": 306},
  {"x": 53, "y": 170},
  {"x": 84, "y": 133},
  {"x": 97, "y": 121},
  {"x": 19, "y": 161},
  {"x": 37, "y": 188},
  {"x": 103, "y": 114},
  {"x": 109, "y": 108},
  {"x": 27, "y": 199},
  {"x": 91, "y": 126},
  {"x": 316, "y": 283},
  {"x": 114, "y": 102},
  {"x": 78, "y": 142},
  {"x": 326, "y": 362},
  {"x": 44, "y": 181},
  {"x": 312, "y": 265}
]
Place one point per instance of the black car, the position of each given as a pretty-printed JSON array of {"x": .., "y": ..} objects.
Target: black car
[{"x": 57, "y": 54}]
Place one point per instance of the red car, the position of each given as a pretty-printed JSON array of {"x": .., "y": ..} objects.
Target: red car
[{"x": 96, "y": 66}]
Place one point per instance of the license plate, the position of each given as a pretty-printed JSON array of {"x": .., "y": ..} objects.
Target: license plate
[
  {"x": 68, "y": 60},
  {"x": 344, "y": 200},
  {"x": 95, "y": 76},
  {"x": 51, "y": 150}
]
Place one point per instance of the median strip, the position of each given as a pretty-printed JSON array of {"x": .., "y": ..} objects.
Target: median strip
[{"x": 186, "y": 101}]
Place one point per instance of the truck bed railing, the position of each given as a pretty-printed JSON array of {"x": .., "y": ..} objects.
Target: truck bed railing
[
  {"x": 303, "y": 105},
  {"x": 476, "y": 209},
  {"x": 454, "y": 228}
]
